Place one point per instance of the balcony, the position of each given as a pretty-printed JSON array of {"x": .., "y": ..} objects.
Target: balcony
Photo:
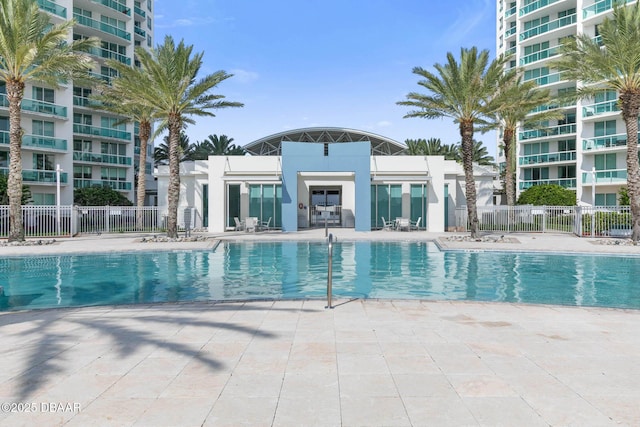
[
  {"x": 116, "y": 185},
  {"x": 139, "y": 12},
  {"x": 104, "y": 77},
  {"x": 610, "y": 176},
  {"x": 510, "y": 12},
  {"x": 52, "y": 7},
  {"x": 537, "y": 56},
  {"x": 115, "y": 6},
  {"x": 38, "y": 176},
  {"x": 37, "y": 141},
  {"x": 511, "y": 31},
  {"x": 600, "y": 108},
  {"x": 536, "y": 159},
  {"x": 37, "y": 106},
  {"x": 550, "y": 131},
  {"x": 564, "y": 182},
  {"x": 101, "y": 26},
  {"x": 535, "y": 6},
  {"x": 604, "y": 142},
  {"x": 599, "y": 7},
  {"x": 81, "y": 101},
  {"x": 102, "y": 132},
  {"x": 109, "y": 54},
  {"x": 140, "y": 32},
  {"x": 547, "y": 79},
  {"x": 549, "y": 26},
  {"x": 111, "y": 159}
]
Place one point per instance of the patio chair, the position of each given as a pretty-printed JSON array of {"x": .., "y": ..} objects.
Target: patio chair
[
  {"x": 264, "y": 225},
  {"x": 416, "y": 225},
  {"x": 388, "y": 225},
  {"x": 239, "y": 224}
]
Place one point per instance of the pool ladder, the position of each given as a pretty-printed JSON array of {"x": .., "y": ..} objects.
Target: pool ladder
[{"x": 330, "y": 239}]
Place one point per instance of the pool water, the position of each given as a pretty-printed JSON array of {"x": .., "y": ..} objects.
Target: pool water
[{"x": 284, "y": 270}]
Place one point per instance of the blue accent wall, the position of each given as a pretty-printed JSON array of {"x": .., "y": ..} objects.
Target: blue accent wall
[{"x": 309, "y": 157}]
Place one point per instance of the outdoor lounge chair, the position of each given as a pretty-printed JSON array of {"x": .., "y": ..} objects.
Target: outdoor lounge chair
[
  {"x": 264, "y": 225},
  {"x": 388, "y": 225},
  {"x": 416, "y": 225},
  {"x": 239, "y": 224}
]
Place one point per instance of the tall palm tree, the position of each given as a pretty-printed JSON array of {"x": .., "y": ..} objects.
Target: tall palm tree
[
  {"x": 430, "y": 147},
  {"x": 463, "y": 91},
  {"x": 31, "y": 49},
  {"x": 517, "y": 100},
  {"x": 612, "y": 64},
  {"x": 176, "y": 96},
  {"x": 117, "y": 98},
  {"x": 185, "y": 150},
  {"x": 216, "y": 146}
]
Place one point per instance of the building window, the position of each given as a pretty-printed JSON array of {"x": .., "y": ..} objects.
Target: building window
[
  {"x": 83, "y": 145},
  {"x": 43, "y": 94},
  {"x": 82, "y": 119},
  {"x": 4, "y": 159},
  {"x": 113, "y": 148},
  {"x": 43, "y": 199},
  {"x": 43, "y": 162},
  {"x": 113, "y": 174},
  {"x": 606, "y": 199},
  {"x": 82, "y": 172},
  {"x": 42, "y": 128},
  {"x": 605, "y": 161},
  {"x": 386, "y": 201},
  {"x": 265, "y": 201}
]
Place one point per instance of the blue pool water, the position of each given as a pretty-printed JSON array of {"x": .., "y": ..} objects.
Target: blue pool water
[{"x": 276, "y": 270}]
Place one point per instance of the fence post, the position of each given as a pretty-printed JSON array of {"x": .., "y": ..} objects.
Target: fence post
[
  {"x": 544, "y": 218},
  {"x": 74, "y": 220},
  {"x": 106, "y": 218}
]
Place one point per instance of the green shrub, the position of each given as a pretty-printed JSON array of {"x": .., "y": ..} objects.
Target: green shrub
[
  {"x": 547, "y": 195},
  {"x": 99, "y": 196}
]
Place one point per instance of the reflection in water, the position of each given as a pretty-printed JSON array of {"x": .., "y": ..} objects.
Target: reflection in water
[{"x": 299, "y": 270}]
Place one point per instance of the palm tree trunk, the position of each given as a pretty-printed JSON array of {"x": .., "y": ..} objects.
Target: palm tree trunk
[
  {"x": 509, "y": 182},
  {"x": 145, "y": 131},
  {"x": 174, "y": 176},
  {"x": 15, "y": 93},
  {"x": 630, "y": 106},
  {"x": 466, "y": 132}
]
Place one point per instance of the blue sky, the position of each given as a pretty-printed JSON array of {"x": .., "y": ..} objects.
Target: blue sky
[{"x": 342, "y": 63}]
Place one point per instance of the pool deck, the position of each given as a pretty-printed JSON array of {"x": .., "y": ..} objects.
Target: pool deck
[{"x": 292, "y": 363}]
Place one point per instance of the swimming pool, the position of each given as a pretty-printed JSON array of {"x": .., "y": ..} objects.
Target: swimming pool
[{"x": 284, "y": 270}]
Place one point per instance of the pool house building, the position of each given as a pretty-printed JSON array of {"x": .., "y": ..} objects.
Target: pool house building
[{"x": 305, "y": 178}]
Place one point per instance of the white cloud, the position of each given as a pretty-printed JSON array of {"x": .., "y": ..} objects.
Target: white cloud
[
  {"x": 186, "y": 22},
  {"x": 244, "y": 76},
  {"x": 384, "y": 123}
]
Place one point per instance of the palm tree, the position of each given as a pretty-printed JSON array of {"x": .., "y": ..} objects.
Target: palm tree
[
  {"x": 430, "y": 147},
  {"x": 31, "y": 49},
  {"x": 517, "y": 100},
  {"x": 462, "y": 91},
  {"x": 216, "y": 146},
  {"x": 185, "y": 150},
  {"x": 613, "y": 63},
  {"x": 176, "y": 95}
]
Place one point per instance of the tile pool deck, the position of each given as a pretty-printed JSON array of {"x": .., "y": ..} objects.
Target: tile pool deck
[{"x": 292, "y": 363}]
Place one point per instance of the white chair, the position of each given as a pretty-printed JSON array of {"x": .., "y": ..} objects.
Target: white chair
[
  {"x": 239, "y": 224},
  {"x": 388, "y": 225},
  {"x": 416, "y": 225},
  {"x": 264, "y": 225}
]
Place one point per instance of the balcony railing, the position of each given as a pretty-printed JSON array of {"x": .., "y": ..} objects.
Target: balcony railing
[
  {"x": 37, "y": 106},
  {"x": 535, "y": 6},
  {"x": 610, "y": 176},
  {"x": 52, "y": 7},
  {"x": 565, "y": 182},
  {"x": 101, "y": 26},
  {"x": 98, "y": 131},
  {"x": 139, "y": 31},
  {"x": 510, "y": 12},
  {"x": 600, "y": 6},
  {"x": 39, "y": 176},
  {"x": 101, "y": 158},
  {"x": 115, "y": 6},
  {"x": 537, "y": 56},
  {"x": 603, "y": 142},
  {"x": 139, "y": 11},
  {"x": 547, "y": 79},
  {"x": 37, "y": 141},
  {"x": 116, "y": 185},
  {"x": 109, "y": 54},
  {"x": 104, "y": 77},
  {"x": 548, "y": 26},
  {"x": 82, "y": 101},
  {"x": 535, "y": 159},
  {"x": 600, "y": 108},
  {"x": 511, "y": 31},
  {"x": 550, "y": 131}
]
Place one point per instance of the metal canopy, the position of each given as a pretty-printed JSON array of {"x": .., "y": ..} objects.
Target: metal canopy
[{"x": 271, "y": 145}]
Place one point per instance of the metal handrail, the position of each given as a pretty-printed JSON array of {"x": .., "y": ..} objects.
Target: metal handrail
[{"x": 330, "y": 271}]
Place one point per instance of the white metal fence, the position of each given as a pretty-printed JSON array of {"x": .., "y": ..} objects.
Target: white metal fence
[
  {"x": 584, "y": 221},
  {"x": 47, "y": 221}
]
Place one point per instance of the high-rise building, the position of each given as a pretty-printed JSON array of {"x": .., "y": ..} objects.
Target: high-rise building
[
  {"x": 586, "y": 149},
  {"x": 60, "y": 128}
]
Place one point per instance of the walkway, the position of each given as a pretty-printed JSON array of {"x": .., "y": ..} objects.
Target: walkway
[{"x": 292, "y": 363}]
